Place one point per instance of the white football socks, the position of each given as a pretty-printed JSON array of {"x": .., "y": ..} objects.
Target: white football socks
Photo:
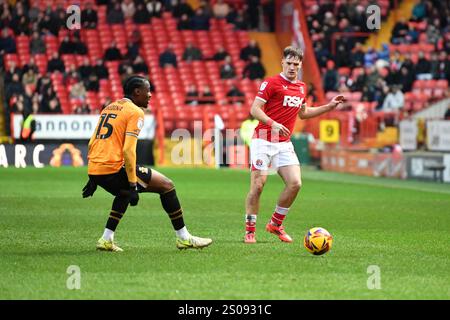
[
  {"x": 183, "y": 233},
  {"x": 108, "y": 235}
]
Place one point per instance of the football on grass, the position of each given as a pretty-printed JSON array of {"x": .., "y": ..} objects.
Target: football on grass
[{"x": 318, "y": 241}]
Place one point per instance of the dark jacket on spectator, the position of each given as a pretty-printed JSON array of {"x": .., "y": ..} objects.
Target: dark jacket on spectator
[
  {"x": 167, "y": 57},
  {"x": 55, "y": 64}
]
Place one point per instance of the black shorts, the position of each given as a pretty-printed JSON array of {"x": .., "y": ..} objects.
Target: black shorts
[{"x": 115, "y": 182}]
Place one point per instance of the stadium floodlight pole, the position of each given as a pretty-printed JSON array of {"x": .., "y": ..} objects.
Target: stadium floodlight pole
[{"x": 218, "y": 126}]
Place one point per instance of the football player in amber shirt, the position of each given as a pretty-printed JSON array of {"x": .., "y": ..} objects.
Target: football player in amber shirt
[
  {"x": 279, "y": 100},
  {"x": 112, "y": 165}
]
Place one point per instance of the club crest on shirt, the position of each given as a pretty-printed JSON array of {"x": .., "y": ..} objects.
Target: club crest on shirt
[
  {"x": 140, "y": 123},
  {"x": 285, "y": 87},
  {"x": 263, "y": 85},
  {"x": 302, "y": 90},
  {"x": 258, "y": 163}
]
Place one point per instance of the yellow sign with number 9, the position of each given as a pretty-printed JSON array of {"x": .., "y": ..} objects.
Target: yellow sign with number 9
[{"x": 329, "y": 131}]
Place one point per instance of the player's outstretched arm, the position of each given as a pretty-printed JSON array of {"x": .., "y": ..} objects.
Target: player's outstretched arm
[
  {"x": 129, "y": 154},
  {"x": 308, "y": 112}
]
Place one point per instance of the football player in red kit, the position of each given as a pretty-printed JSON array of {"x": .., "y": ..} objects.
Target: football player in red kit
[{"x": 279, "y": 100}]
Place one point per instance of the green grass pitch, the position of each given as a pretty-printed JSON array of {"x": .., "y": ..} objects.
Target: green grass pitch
[{"x": 402, "y": 227}]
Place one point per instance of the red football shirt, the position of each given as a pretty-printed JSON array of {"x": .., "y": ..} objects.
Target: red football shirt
[{"x": 283, "y": 99}]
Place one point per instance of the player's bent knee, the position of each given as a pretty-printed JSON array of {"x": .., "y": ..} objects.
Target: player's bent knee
[
  {"x": 258, "y": 188},
  {"x": 167, "y": 185},
  {"x": 295, "y": 186}
]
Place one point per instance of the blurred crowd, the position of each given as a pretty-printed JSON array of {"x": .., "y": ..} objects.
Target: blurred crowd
[{"x": 28, "y": 88}]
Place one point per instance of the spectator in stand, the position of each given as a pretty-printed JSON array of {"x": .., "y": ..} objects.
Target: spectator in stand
[
  {"x": 154, "y": 8},
  {"x": 79, "y": 47},
  {"x": 400, "y": 31},
  {"x": 342, "y": 57},
  {"x": 232, "y": 14},
  {"x": 408, "y": 63},
  {"x": 182, "y": 7},
  {"x": 114, "y": 14},
  {"x": 67, "y": 46},
  {"x": 240, "y": 22},
  {"x": 200, "y": 21},
  {"x": 35, "y": 104},
  {"x": 220, "y": 54},
  {"x": 423, "y": 68},
  {"x": 82, "y": 108},
  {"x": 395, "y": 62},
  {"x": 252, "y": 49},
  {"x": 13, "y": 69},
  {"x": 112, "y": 53},
  {"x": 46, "y": 96},
  {"x": 60, "y": 17},
  {"x": 254, "y": 70},
  {"x": 15, "y": 87},
  {"x": 384, "y": 54},
  {"x": 100, "y": 70},
  {"x": 269, "y": 14},
  {"x": 227, "y": 70},
  {"x": 370, "y": 57},
  {"x": 433, "y": 34},
  {"x": 322, "y": 54},
  {"x": 206, "y": 96},
  {"x": 206, "y": 7},
  {"x": 7, "y": 43},
  {"x": 412, "y": 36},
  {"x": 331, "y": 77},
  {"x": 33, "y": 13},
  {"x": 357, "y": 56},
  {"x": 192, "y": 95},
  {"x": 47, "y": 25},
  {"x": 192, "y": 53},
  {"x": 419, "y": 11},
  {"x": 184, "y": 23},
  {"x": 37, "y": 45},
  {"x": 85, "y": 69},
  {"x": 44, "y": 83},
  {"x": 139, "y": 66},
  {"x": 235, "y": 95},
  {"x": 220, "y": 9},
  {"x": 17, "y": 104},
  {"x": 30, "y": 79},
  {"x": 168, "y": 58},
  {"x": 128, "y": 8},
  {"x": 89, "y": 18},
  {"x": 394, "y": 101},
  {"x": 55, "y": 64},
  {"x": 20, "y": 23},
  {"x": 92, "y": 83},
  {"x": 406, "y": 79},
  {"x": 132, "y": 50},
  {"x": 141, "y": 16},
  {"x": 252, "y": 12},
  {"x": 443, "y": 70},
  {"x": 31, "y": 65},
  {"x": 78, "y": 92},
  {"x": 71, "y": 76},
  {"x": 54, "y": 106}
]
